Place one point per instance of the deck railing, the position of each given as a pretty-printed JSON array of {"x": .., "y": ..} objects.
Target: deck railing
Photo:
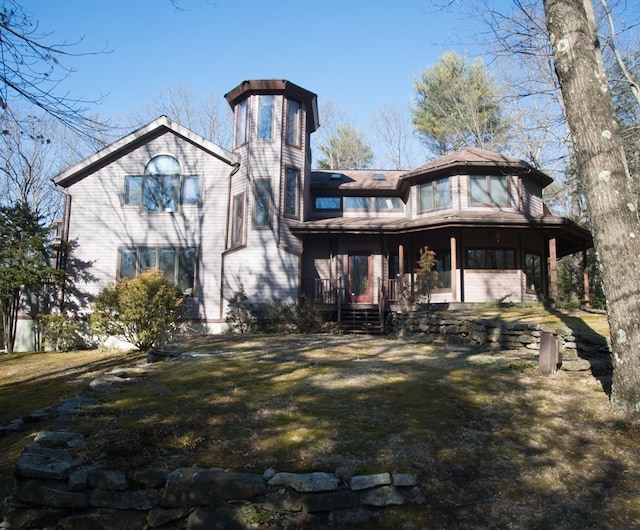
[
  {"x": 322, "y": 291},
  {"x": 393, "y": 290},
  {"x": 330, "y": 291}
]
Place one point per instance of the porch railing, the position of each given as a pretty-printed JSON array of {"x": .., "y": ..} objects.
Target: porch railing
[
  {"x": 382, "y": 301},
  {"x": 331, "y": 292},
  {"x": 322, "y": 291},
  {"x": 393, "y": 290}
]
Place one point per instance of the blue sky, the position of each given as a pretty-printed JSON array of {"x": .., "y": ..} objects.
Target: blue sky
[{"x": 360, "y": 54}]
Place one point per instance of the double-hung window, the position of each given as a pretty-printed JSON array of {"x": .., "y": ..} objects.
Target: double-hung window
[
  {"x": 177, "y": 264},
  {"x": 435, "y": 194},
  {"x": 489, "y": 190}
]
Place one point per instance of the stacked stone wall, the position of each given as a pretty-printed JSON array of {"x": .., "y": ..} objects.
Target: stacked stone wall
[
  {"x": 56, "y": 488},
  {"x": 578, "y": 349}
]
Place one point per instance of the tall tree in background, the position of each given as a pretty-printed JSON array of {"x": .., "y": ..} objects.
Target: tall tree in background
[
  {"x": 347, "y": 149},
  {"x": 209, "y": 116},
  {"x": 28, "y": 160},
  {"x": 457, "y": 105},
  {"x": 628, "y": 113},
  {"x": 392, "y": 126},
  {"x": 602, "y": 165}
]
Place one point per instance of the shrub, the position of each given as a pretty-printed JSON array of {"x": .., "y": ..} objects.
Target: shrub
[
  {"x": 239, "y": 312},
  {"x": 309, "y": 317},
  {"x": 144, "y": 310},
  {"x": 60, "y": 332},
  {"x": 276, "y": 317}
]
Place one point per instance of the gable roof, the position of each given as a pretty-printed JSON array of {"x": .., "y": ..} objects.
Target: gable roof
[
  {"x": 471, "y": 158},
  {"x": 152, "y": 130}
]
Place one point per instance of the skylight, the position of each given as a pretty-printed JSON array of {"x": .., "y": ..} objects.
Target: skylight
[{"x": 379, "y": 176}]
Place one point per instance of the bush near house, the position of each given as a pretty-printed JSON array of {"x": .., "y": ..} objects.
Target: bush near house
[
  {"x": 144, "y": 310},
  {"x": 276, "y": 317},
  {"x": 60, "y": 332}
]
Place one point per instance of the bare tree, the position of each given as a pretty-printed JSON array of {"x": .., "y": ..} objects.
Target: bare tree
[
  {"x": 209, "y": 115},
  {"x": 603, "y": 169},
  {"x": 32, "y": 72},
  {"x": 392, "y": 126},
  {"x": 28, "y": 160}
]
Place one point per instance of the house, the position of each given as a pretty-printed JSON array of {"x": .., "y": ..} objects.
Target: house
[{"x": 260, "y": 218}]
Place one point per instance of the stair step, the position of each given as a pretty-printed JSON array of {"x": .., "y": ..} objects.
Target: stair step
[{"x": 361, "y": 320}]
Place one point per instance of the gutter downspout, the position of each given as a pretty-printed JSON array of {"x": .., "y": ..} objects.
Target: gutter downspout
[{"x": 234, "y": 170}]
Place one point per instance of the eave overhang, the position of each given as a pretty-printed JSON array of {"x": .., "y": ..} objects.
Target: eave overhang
[
  {"x": 570, "y": 237},
  {"x": 470, "y": 160},
  {"x": 277, "y": 86},
  {"x": 139, "y": 137}
]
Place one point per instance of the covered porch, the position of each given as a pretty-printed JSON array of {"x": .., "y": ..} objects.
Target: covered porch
[{"x": 369, "y": 262}]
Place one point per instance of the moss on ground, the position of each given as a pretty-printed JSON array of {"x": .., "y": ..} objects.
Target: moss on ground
[{"x": 493, "y": 443}]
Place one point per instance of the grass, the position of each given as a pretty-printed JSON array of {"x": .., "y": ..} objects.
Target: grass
[{"x": 492, "y": 442}]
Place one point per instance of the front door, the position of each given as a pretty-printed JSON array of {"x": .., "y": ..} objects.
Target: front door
[{"x": 360, "y": 273}]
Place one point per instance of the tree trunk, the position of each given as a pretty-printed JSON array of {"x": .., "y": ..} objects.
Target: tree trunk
[{"x": 603, "y": 169}]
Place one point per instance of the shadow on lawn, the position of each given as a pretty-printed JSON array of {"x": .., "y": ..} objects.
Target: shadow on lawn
[
  {"x": 599, "y": 357},
  {"x": 484, "y": 435}
]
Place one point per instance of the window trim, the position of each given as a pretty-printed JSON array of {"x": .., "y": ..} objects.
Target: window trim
[
  {"x": 241, "y": 123},
  {"x": 295, "y": 172},
  {"x": 168, "y": 187},
  {"x": 157, "y": 248},
  {"x": 434, "y": 187},
  {"x": 327, "y": 197},
  {"x": 198, "y": 198},
  {"x": 538, "y": 255},
  {"x": 269, "y": 210},
  {"x": 365, "y": 206},
  {"x": 238, "y": 198},
  {"x": 510, "y": 250},
  {"x": 271, "y": 116},
  {"x": 488, "y": 200},
  {"x": 294, "y": 121}
]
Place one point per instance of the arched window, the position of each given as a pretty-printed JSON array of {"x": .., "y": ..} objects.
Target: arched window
[
  {"x": 161, "y": 192},
  {"x": 162, "y": 188},
  {"x": 162, "y": 165}
]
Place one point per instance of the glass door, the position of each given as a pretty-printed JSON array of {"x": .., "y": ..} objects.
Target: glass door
[{"x": 360, "y": 274}]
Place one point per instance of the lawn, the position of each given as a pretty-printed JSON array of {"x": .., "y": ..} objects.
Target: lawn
[{"x": 492, "y": 442}]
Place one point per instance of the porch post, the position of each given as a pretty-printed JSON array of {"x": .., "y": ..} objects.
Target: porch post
[
  {"x": 454, "y": 271},
  {"x": 553, "y": 270},
  {"x": 585, "y": 279},
  {"x": 401, "y": 261}
]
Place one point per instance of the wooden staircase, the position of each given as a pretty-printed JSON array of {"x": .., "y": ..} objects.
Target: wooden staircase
[{"x": 363, "y": 319}]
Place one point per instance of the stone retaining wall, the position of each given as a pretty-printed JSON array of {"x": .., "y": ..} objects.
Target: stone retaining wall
[
  {"x": 55, "y": 488},
  {"x": 579, "y": 350}
]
